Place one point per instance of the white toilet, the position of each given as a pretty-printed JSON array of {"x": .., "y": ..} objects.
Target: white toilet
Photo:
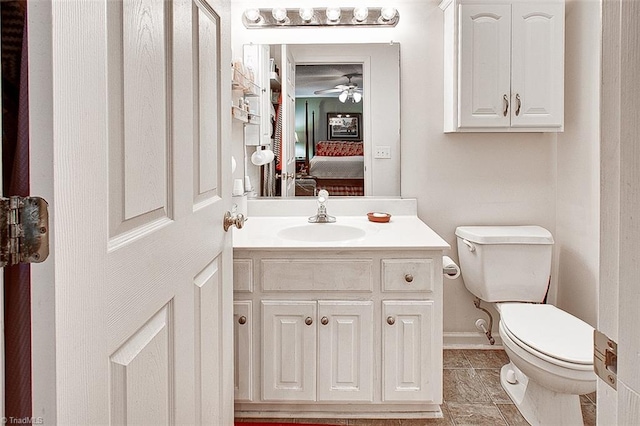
[{"x": 550, "y": 351}]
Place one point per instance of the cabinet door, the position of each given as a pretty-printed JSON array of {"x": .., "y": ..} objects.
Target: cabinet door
[
  {"x": 288, "y": 351},
  {"x": 345, "y": 358},
  {"x": 408, "y": 360},
  {"x": 537, "y": 77},
  {"x": 243, "y": 350},
  {"x": 484, "y": 68}
]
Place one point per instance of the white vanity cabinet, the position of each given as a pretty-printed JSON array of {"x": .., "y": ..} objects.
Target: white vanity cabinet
[
  {"x": 354, "y": 333},
  {"x": 504, "y": 65}
]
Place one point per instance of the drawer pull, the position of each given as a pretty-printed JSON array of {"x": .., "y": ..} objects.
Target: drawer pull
[
  {"x": 308, "y": 320},
  {"x": 391, "y": 320},
  {"x": 408, "y": 278},
  {"x": 324, "y": 320},
  {"x": 242, "y": 320}
]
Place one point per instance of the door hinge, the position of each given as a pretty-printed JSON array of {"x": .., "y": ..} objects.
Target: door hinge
[
  {"x": 605, "y": 358},
  {"x": 24, "y": 230}
]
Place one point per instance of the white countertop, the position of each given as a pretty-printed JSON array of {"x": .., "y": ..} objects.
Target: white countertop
[{"x": 402, "y": 232}]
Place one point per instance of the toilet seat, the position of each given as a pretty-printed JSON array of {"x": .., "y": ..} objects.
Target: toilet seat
[{"x": 549, "y": 333}]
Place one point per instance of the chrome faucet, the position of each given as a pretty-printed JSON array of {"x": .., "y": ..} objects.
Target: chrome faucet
[{"x": 322, "y": 216}]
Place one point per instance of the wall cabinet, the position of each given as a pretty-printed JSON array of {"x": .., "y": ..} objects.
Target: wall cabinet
[
  {"x": 504, "y": 66},
  {"x": 358, "y": 332}
]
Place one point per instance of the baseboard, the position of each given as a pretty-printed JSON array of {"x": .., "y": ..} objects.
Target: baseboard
[{"x": 469, "y": 340}]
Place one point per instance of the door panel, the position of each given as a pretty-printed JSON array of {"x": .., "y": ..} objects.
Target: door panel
[
  {"x": 345, "y": 351},
  {"x": 139, "y": 128},
  {"x": 484, "y": 65},
  {"x": 537, "y": 64},
  {"x": 142, "y": 375},
  {"x": 288, "y": 351},
  {"x": 207, "y": 153},
  {"x": 243, "y": 335},
  {"x": 407, "y": 348}
]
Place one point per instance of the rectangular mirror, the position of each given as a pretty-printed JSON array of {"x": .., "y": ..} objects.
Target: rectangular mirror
[{"x": 330, "y": 114}]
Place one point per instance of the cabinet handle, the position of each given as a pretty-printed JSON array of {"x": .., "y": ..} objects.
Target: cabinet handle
[
  {"x": 308, "y": 320},
  {"x": 408, "y": 278},
  {"x": 242, "y": 320},
  {"x": 518, "y": 105},
  {"x": 506, "y": 105},
  {"x": 391, "y": 320},
  {"x": 324, "y": 320}
]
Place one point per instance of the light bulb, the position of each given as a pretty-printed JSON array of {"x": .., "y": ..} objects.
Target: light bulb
[
  {"x": 357, "y": 97},
  {"x": 306, "y": 13},
  {"x": 252, "y": 15},
  {"x": 343, "y": 96},
  {"x": 360, "y": 13},
  {"x": 279, "y": 14},
  {"x": 333, "y": 14},
  {"x": 388, "y": 13}
]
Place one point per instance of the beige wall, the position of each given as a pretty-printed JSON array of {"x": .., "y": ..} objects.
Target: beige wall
[
  {"x": 578, "y": 167},
  {"x": 469, "y": 179}
]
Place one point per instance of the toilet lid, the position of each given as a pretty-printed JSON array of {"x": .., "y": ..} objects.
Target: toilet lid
[{"x": 549, "y": 330}]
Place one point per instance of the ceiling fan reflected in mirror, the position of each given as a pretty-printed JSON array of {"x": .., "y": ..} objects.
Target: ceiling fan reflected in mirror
[{"x": 349, "y": 92}]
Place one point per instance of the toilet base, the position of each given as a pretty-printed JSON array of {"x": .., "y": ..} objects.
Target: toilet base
[{"x": 539, "y": 405}]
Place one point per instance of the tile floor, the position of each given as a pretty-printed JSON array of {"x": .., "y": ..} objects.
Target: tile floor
[{"x": 472, "y": 396}]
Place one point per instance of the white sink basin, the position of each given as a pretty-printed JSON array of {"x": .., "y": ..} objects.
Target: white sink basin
[{"x": 321, "y": 232}]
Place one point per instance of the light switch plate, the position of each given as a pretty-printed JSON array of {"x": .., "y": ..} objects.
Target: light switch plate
[{"x": 382, "y": 151}]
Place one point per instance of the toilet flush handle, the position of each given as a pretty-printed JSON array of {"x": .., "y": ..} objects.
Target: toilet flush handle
[{"x": 472, "y": 248}]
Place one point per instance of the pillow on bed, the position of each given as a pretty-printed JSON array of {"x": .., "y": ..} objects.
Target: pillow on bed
[{"x": 339, "y": 148}]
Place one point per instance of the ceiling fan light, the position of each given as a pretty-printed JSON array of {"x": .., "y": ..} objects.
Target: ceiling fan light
[
  {"x": 279, "y": 14},
  {"x": 343, "y": 96},
  {"x": 252, "y": 15},
  {"x": 357, "y": 97},
  {"x": 306, "y": 13},
  {"x": 388, "y": 13},
  {"x": 360, "y": 13},
  {"x": 333, "y": 14}
]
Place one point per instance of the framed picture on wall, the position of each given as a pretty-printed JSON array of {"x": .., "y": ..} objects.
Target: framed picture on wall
[{"x": 344, "y": 126}]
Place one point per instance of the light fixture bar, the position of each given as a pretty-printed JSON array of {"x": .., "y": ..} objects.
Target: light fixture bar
[{"x": 348, "y": 16}]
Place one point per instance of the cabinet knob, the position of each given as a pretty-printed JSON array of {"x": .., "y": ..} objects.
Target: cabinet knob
[
  {"x": 408, "y": 278},
  {"x": 242, "y": 320},
  {"x": 391, "y": 320},
  {"x": 308, "y": 320},
  {"x": 324, "y": 320}
]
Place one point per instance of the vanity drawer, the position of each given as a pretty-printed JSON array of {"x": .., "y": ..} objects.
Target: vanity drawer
[
  {"x": 243, "y": 275},
  {"x": 317, "y": 274},
  {"x": 407, "y": 274}
]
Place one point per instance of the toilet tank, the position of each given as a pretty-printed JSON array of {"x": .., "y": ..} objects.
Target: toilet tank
[{"x": 505, "y": 263}]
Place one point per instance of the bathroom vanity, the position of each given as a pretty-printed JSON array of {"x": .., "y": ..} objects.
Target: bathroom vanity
[{"x": 338, "y": 320}]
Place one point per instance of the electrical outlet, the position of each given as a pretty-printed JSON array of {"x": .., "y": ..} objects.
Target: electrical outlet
[{"x": 382, "y": 152}]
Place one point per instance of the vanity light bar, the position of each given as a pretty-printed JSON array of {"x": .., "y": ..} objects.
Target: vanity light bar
[{"x": 279, "y": 17}]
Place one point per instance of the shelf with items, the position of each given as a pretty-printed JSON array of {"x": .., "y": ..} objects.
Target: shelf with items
[{"x": 243, "y": 79}]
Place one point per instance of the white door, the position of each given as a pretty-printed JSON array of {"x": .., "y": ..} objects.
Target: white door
[
  {"x": 618, "y": 313},
  {"x": 537, "y": 64},
  {"x": 407, "y": 347},
  {"x": 288, "y": 351},
  {"x": 484, "y": 73},
  {"x": 136, "y": 170},
  {"x": 288, "y": 122},
  {"x": 345, "y": 351}
]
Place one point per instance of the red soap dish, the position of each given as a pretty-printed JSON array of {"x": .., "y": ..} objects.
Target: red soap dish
[{"x": 379, "y": 217}]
